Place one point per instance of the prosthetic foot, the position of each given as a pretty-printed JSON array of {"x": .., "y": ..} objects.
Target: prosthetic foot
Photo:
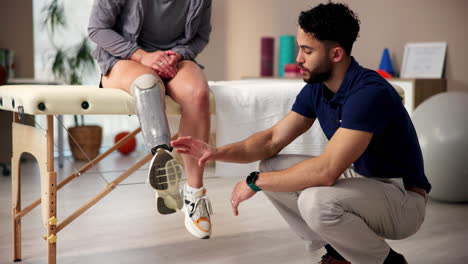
[{"x": 164, "y": 176}]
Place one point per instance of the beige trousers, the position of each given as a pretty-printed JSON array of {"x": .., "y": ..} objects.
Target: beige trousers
[{"x": 354, "y": 216}]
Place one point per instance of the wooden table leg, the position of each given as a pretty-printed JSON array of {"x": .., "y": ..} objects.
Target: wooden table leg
[
  {"x": 16, "y": 200},
  {"x": 52, "y": 192},
  {"x": 16, "y": 219},
  {"x": 52, "y": 225}
]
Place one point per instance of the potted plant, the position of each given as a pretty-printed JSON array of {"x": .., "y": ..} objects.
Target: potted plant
[{"x": 69, "y": 65}]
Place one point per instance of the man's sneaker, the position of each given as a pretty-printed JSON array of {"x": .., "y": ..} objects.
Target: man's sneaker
[
  {"x": 395, "y": 258},
  {"x": 164, "y": 176},
  {"x": 392, "y": 258},
  {"x": 197, "y": 210},
  {"x": 329, "y": 259}
]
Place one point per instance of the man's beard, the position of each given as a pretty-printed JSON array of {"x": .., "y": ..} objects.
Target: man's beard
[{"x": 318, "y": 75}]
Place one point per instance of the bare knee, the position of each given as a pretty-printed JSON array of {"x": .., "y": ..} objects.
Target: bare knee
[
  {"x": 202, "y": 98},
  {"x": 197, "y": 97}
]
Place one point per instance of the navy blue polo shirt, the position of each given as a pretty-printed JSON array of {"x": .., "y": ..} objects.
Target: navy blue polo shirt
[{"x": 365, "y": 101}]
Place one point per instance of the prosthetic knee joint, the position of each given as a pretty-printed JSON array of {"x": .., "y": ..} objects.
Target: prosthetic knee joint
[{"x": 149, "y": 93}]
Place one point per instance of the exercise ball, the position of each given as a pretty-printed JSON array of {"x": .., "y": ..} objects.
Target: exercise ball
[
  {"x": 441, "y": 123},
  {"x": 127, "y": 147}
]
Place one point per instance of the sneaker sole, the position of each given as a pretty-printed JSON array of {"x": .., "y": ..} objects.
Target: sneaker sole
[
  {"x": 164, "y": 177},
  {"x": 193, "y": 230}
]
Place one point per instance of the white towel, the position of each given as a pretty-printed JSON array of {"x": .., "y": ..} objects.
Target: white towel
[{"x": 249, "y": 106}]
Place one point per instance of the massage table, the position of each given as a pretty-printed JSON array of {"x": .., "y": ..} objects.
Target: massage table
[{"x": 50, "y": 100}]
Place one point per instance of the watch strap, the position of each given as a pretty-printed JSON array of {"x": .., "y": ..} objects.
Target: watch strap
[{"x": 251, "y": 179}]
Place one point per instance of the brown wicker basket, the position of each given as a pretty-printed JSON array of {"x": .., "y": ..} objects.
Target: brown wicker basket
[{"x": 89, "y": 139}]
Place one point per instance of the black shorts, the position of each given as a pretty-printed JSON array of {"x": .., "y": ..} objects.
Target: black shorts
[{"x": 100, "y": 82}]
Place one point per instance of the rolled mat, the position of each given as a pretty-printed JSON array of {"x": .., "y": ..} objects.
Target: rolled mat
[
  {"x": 287, "y": 52},
  {"x": 266, "y": 59}
]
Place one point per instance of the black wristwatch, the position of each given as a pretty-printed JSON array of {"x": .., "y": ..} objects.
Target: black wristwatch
[{"x": 251, "y": 179}]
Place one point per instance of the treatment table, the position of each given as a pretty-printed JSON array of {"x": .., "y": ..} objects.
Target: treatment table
[{"x": 53, "y": 100}]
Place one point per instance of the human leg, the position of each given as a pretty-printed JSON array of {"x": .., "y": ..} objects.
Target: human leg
[
  {"x": 355, "y": 214},
  {"x": 189, "y": 89},
  {"x": 289, "y": 207},
  {"x": 286, "y": 202},
  {"x": 149, "y": 91}
]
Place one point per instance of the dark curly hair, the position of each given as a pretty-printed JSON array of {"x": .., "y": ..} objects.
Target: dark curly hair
[{"x": 331, "y": 22}]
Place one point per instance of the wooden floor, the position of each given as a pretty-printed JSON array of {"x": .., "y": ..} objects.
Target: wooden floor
[{"x": 125, "y": 227}]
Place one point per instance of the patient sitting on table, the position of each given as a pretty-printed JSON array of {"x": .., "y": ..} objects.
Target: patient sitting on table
[{"x": 148, "y": 49}]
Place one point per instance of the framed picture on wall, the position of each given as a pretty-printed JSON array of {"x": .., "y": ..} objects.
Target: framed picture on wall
[{"x": 424, "y": 60}]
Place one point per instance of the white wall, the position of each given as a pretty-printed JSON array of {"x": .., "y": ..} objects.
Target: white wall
[{"x": 238, "y": 26}]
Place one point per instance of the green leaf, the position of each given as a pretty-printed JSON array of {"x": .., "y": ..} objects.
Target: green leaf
[
  {"x": 83, "y": 58},
  {"x": 58, "y": 64},
  {"x": 54, "y": 15},
  {"x": 75, "y": 78}
]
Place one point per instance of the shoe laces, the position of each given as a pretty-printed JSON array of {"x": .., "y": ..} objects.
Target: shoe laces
[{"x": 202, "y": 207}]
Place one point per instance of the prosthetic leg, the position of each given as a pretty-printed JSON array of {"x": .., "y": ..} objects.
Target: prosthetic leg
[
  {"x": 164, "y": 172},
  {"x": 148, "y": 91}
]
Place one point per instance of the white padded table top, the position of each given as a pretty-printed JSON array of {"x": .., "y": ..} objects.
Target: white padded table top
[{"x": 71, "y": 100}]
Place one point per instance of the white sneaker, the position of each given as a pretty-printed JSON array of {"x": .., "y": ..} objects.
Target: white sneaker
[
  {"x": 197, "y": 210},
  {"x": 164, "y": 176}
]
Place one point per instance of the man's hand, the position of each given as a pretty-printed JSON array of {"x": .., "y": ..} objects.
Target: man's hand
[
  {"x": 196, "y": 148},
  {"x": 174, "y": 57},
  {"x": 159, "y": 61},
  {"x": 240, "y": 193}
]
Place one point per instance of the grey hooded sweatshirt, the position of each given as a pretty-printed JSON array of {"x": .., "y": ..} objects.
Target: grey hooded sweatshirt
[{"x": 115, "y": 26}]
